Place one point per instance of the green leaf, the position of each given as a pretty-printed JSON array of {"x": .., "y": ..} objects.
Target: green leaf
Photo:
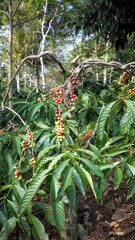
[
  {"x": 18, "y": 192},
  {"x": 79, "y": 182},
  {"x": 74, "y": 130},
  {"x": 102, "y": 120},
  {"x": 85, "y": 100},
  {"x": 89, "y": 178},
  {"x": 96, "y": 151},
  {"x": 131, "y": 189},
  {"x": 132, "y": 169},
  {"x": 12, "y": 207},
  {"x": 131, "y": 106},
  {"x": 34, "y": 110},
  {"x": 111, "y": 141},
  {"x": 25, "y": 226},
  {"x": 126, "y": 122},
  {"x": 60, "y": 168},
  {"x": 118, "y": 176},
  {"x": 104, "y": 166},
  {"x": 92, "y": 166},
  {"x": 82, "y": 175},
  {"x": 42, "y": 124},
  {"x": 88, "y": 152},
  {"x": 65, "y": 183},
  {"x": 16, "y": 140},
  {"x": 8, "y": 162},
  {"x": 52, "y": 113},
  {"x": 71, "y": 195},
  {"x": 5, "y": 187},
  {"x": 43, "y": 152},
  {"x": 32, "y": 190},
  {"x": 57, "y": 206},
  {"x": 116, "y": 152},
  {"x": 115, "y": 109},
  {"x": 7, "y": 228},
  {"x": 47, "y": 210},
  {"x": 38, "y": 228}
]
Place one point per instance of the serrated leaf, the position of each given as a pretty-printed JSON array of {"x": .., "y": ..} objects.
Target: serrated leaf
[
  {"x": 16, "y": 140},
  {"x": 38, "y": 229},
  {"x": 79, "y": 182},
  {"x": 43, "y": 152},
  {"x": 89, "y": 178},
  {"x": 126, "y": 122},
  {"x": 118, "y": 176},
  {"x": 57, "y": 206},
  {"x": 92, "y": 166},
  {"x": 7, "y": 228},
  {"x": 71, "y": 195},
  {"x": 131, "y": 189},
  {"x": 102, "y": 120},
  {"x": 34, "y": 109},
  {"x": 60, "y": 168},
  {"x": 32, "y": 190},
  {"x": 25, "y": 226},
  {"x": 65, "y": 183}
]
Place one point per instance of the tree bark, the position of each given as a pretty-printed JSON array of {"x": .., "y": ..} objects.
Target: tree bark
[{"x": 10, "y": 52}]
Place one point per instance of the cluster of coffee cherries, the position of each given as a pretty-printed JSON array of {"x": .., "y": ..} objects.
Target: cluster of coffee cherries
[
  {"x": 58, "y": 94},
  {"x": 32, "y": 160},
  {"x": 59, "y": 125},
  {"x": 17, "y": 173},
  {"x": 29, "y": 143},
  {"x": 132, "y": 92},
  {"x": 74, "y": 82},
  {"x": 123, "y": 78},
  {"x": 2, "y": 130}
]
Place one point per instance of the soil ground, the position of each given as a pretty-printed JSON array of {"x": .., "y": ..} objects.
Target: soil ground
[{"x": 111, "y": 219}]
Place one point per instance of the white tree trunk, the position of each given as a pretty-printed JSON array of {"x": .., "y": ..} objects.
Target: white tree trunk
[
  {"x": 105, "y": 68},
  {"x": 42, "y": 45},
  {"x": 10, "y": 51},
  {"x": 18, "y": 82}
]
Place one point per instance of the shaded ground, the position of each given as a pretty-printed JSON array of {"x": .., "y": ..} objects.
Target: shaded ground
[{"x": 112, "y": 219}]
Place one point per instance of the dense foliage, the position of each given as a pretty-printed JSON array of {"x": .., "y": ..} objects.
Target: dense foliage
[{"x": 78, "y": 129}]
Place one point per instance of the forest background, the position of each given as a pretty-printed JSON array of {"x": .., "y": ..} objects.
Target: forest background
[{"x": 67, "y": 91}]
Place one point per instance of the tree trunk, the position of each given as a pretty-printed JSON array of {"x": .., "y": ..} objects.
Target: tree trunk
[
  {"x": 18, "y": 82},
  {"x": 10, "y": 51},
  {"x": 70, "y": 230},
  {"x": 105, "y": 68}
]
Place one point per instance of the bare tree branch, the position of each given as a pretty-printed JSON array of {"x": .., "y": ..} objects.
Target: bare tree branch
[
  {"x": 90, "y": 62},
  {"x": 16, "y": 9},
  {"x": 48, "y": 53},
  {"x": 23, "y": 122},
  {"x": 27, "y": 20}
]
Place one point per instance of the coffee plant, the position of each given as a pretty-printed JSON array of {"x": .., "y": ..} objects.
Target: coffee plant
[{"x": 63, "y": 145}]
